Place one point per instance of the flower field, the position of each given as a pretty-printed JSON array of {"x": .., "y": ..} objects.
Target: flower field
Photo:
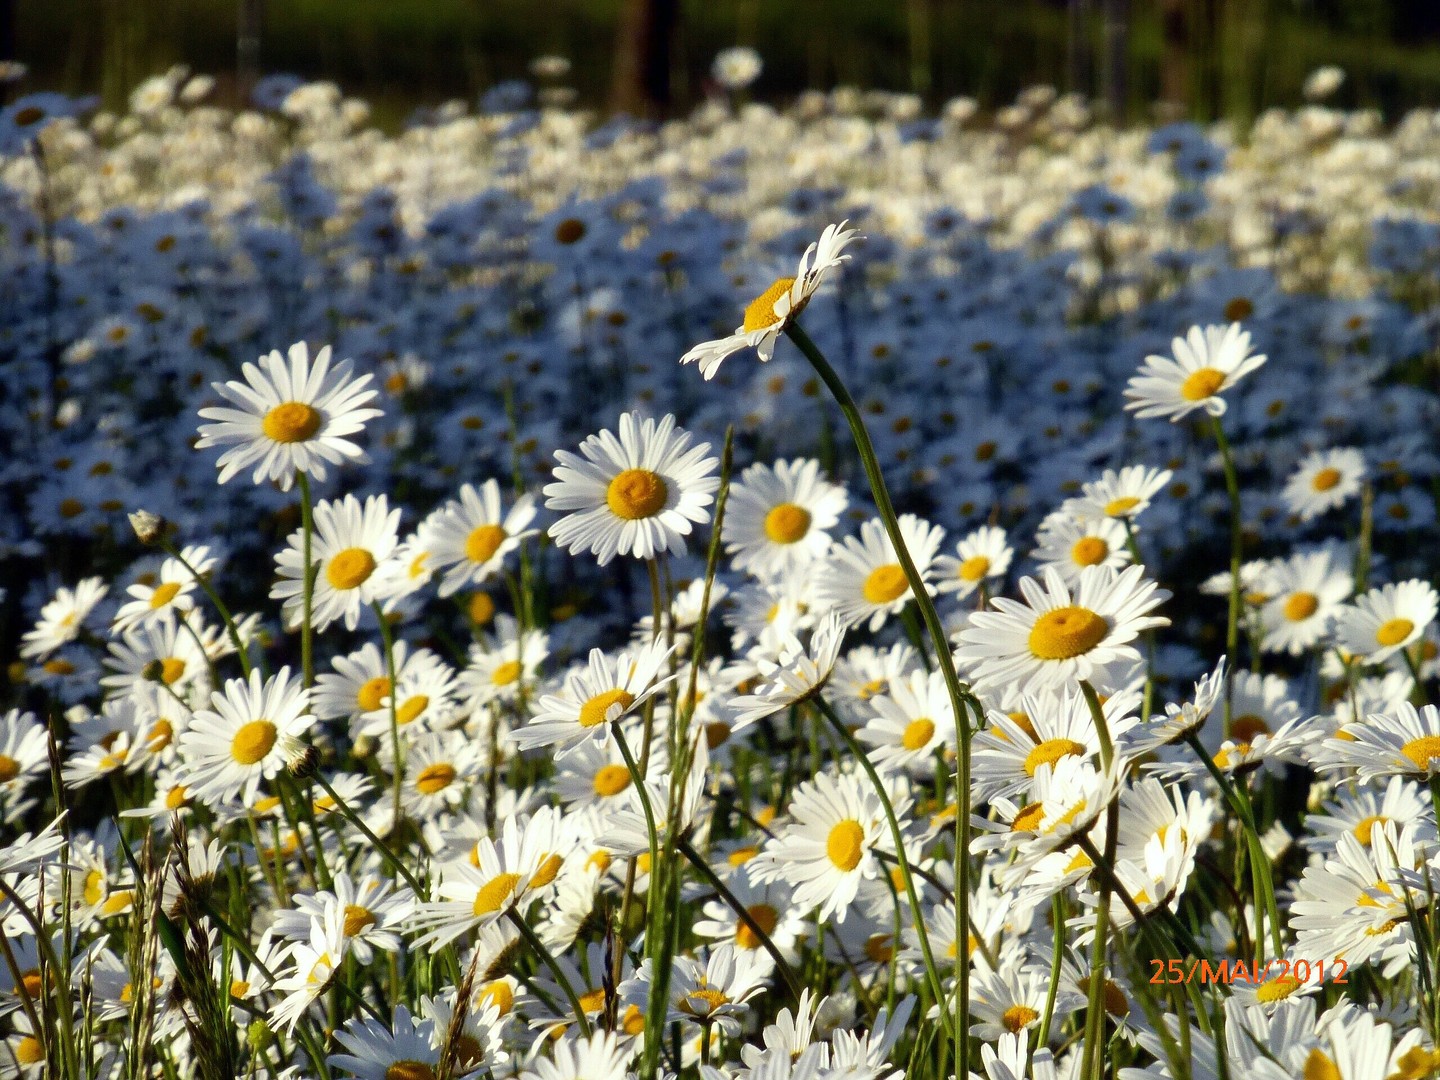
[{"x": 833, "y": 592}]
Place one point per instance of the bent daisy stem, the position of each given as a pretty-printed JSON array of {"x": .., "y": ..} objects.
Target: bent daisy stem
[
  {"x": 538, "y": 948},
  {"x": 387, "y": 641},
  {"x": 917, "y": 914},
  {"x": 1057, "y": 919},
  {"x": 943, "y": 657},
  {"x": 231, "y": 628},
  {"x": 1102, "y": 730},
  {"x": 1093, "y": 1067},
  {"x": 1237, "y": 546},
  {"x": 389, "y": 856},
  {"x": 307, "y": 631}
]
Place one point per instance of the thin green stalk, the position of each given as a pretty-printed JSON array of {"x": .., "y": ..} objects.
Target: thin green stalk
[
  {"x": 1057, "y": 917},
  {"x": 380, "y": 846},
  {"x": 231, "y": 628},
  {"x": 387, "y": 641},
  {"x": 307, "y": 631},
  {"x": 538, "y": 947},
  {"x": 1237, "y": 547},
  {"x": 1093, "y": 1067}
]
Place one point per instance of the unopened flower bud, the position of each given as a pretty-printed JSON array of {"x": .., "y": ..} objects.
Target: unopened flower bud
[
  {"x": 148, "y": 527},
  {"x": 259, "y": 1036},
  {"x": 303, "y": 765}
]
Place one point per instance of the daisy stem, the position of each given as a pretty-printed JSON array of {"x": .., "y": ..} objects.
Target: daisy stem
[
  {"x": 1237, "y": 546},
  {"x": 209, "y": 590},
  {"x": 732, "y": 902},
  {"x": 365, "y": 830},
  {"x": 307, "y": 592},
  {"x": 387, "y": 640},
  {"x": 943, "y": 657},
  {"x": 538, "y": 947},
  {"x": 917, "y": 913},
  {"x": 638, "y": 779},
  {"x": 1057, "y": 917},
  {"x": 1367, "y": 537},
  {"x": 1102, "y": 730},
  {"x": 1094, "y": 1061}
]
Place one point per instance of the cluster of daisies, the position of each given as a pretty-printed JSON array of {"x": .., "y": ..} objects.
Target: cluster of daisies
[{"x": 547, "y": 690}]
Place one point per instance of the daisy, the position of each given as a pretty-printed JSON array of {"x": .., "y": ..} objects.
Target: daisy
[
  {"x": 837, "y": 825},
  {"x": 1403, "y": 743},
  {"x": 372, "y": 908},
  {"x": 170, "y": 594},
  {"x": 351, "y": 547},
  {"x": 477, "y": 892},
  {"x": 714, "y": 992},
  {"x": 1123, "y": 495},
  {"x": 1012, "y": 1000},
  {"x": 288, "y": 418},
  {"x": 502, "y": 664},
  {"x": 250, "y": 733},
  {"x": 1206, "y": 362},
  {"x": 62, "y": 618},
  {"x": 24, "y": 751},
  {"x": 1324, "y": 481},
  {"x": 603, "y": 1056},
  {"x": 1305, "y": 593},
  {"x": 798, "y": 676},
  {"x": 1181, "y": 721},
  {"x": 312, "y": 966},
  {"x": 468, "y": 539},
  {"x": 768, "y": 905},
  {"x": 592, "y": 698},
  {"x": 408, "y": 1048},
  {"x": 776, "y": 519},
  {"x": 911, "y": 722},
  {"x": 983, "y": 555},
  {"x": 1386, "y": 620},
  {"x": 159, "y": 652},
  {"x": 439, "y": 768},
  {"x": 639, "y": 494},
  {"x": 863, "y": 579},
  {"x": 1054, "y": 638},
  {"x": 768, "y": 315},
  {"x": 1070, "y": 545},
  {"x": 1357, "y": 810}
]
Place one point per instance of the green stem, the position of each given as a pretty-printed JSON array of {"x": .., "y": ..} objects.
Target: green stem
[
  {"x": 229, "y": 620},
  {"x": 387, "y": 641},
  {"x": 389, "y": 856},
  {"x": 307, "y": 596},
  {"x": 538, "y": 947},
  {"x": 1237, "y": 547}
]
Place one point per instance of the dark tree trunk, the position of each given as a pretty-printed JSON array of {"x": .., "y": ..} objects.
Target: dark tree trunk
[
  {"x": 249, "y": 24},
  {"x": 1117, "y": 57},
  {"x": 1175, "y": 52},
  {"x": 643, "y": 47}
]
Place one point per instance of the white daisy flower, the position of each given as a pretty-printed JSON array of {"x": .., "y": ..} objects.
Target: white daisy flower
[
  {"x": 1122, "y": 495},
  {"x": 469, "y": 538},
  {"x": 1206, "y": 362},
  {"x": 351, "y": 547},
  {"x": 312, "y": 966},
  {"x": 1386, "y": 620},
  {"x": 1054, "y": 638},
  {"x": 770, "y": 313},
  {"x": 1305, "y": 593},
  {"x": 776, "y": 519},
  {"x": 911, "y": 722},
  {"x": 1403, "y": 743},
  {"x": 167, "y": 596},
  {"x": 639, "y": 494},
  {"x": 1324, "y": 481},
  {"x": 799, "y": 674},
  {"x": 1070, "y": 545},
  {"x": 502, "y": 664},
  {"x": 62, "y": 618},
  {"x": 373, "y": 909},
  {"x": 716, "y": 991},
  {"x": 862, "y": 578},
  {"x": 408, "y": 1048},
  {"x": 250, "y": 733},
  {"x": 289, "y": 417},
  {"x": 984, "y": 555},
  {"x": 603, "y": 1056}
]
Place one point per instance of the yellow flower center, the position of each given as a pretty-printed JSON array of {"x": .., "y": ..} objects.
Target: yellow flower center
[
  {"x": 1199, "y": 385},
  {"x": 1325, "y": 479},
  {"x": 409, "y": 1070},
  {"x": 1422, "y": 751},
  {"x": 974, "y": 568},
  {"x": 761, "y": 312},
  {"x": 878, "y": 947},
  {"x": 494, "y": 893},
  {"x": 546, "y": 871},
  {"x": 349, "y": 569},
  {"x": 1024, "y": 723},
  {"x": 985, "y": 451},
  {"x": 171, "y": 669},
  {"x": 594, "y": 711},
  {"x": 9, "y": 768},
  {"x": 1318, "y": 1066},
  {"x": 1394, "y": 632},
  {"x": 29, "y": 1051},
  {"x": 506, "y": 673},
  {"x": 1018, "y": 1017},
  {"x": 636, "y": 494},
  {"x": 411, "y": 708},
  {"x": 787, "y": 523},
  {"x": 372, "y": 693},
  {"x": 291, "y": 422},
  {"x": 1089, "y": 551},
  {"x": 1029, "y": 818},
  {"x": 1050, "y": 751},
  {"x": 704, "y": 1001},
  {"x": 94, "y": 887},
  {"x": 1363, "y": 827},
  {"x": 740, "y": 856},
  {"x": 846, "y": 844},
  {"x": 1121, "y": 506},
  {"x": 499, "y": 994},
  {"x": 482, "y": 608},
  {"x": 253, "y": 741},
  {"x": 634, "y": 1021},
  {"x": 917, "y": 734},
  {"x": 239, "y": 988},
  {"x": 611, "y": 780},
  {"x": 163, "y": 594},
  {"x": 885, "y": 584},
  {"x": 435, "y": 778},
  {"x": 1415, "y": 1064},
  {"x": 1366, "y": 900},
  {"x": 59, "y": 666},
  {"x": 483, "y": 542},
  {"x": 162, "y": 733},
  {"x": 765, "y": 917},
  {"x": 1246, "y": 728},
  {"x": 1277, "y": 989},
  {"x": 593, "y": 1000},
  {"x": 176, "y": 797},
  {"x": 1066, "y": 632},
  {"x": 1301, "y": 605},
  {"x": 357, "y": 918}
]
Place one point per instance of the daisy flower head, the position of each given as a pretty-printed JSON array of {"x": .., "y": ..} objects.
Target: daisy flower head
[
  {"x": 1386, "y": 620},
  {"x": 768, "y": 315},
  {"x": 862, "y": 579},
  {"x": 1180, "y": 721},
  {"x": 591, "y": 698},
  {"x": 1056, "y": 638},
  {"x": 289, "y": 416},
  {"x": 408, "y": 1048},
  {"x": 983, "y": 555},
  {"x": 911, "y": 722},
  {"x": 715, "y": 992},
  {"x": 62, "y": 618},
  {"x": 1206, "y": 363},
  {"x": 638, "y": 494},
  {"x": 1070, "y": 544},
  {"x": 1403, "y": 743},
  {"x": 470, "y": 537},
  {"x": 1324, "y": 481},
  {"x": 1304, "y": 594},
  {"x": 1121, "y": 495},
  {"x": 800, "y": 674},
  {"x": 603, "y": 1056},
  {"x": 776, "y": 518},
  {"x": 170, "y": 595},
  {"x": 252, "y": 729},
  {"x": 352, "y": 546}
]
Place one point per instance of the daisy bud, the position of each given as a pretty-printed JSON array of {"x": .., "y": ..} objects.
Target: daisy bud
[
  {"x": 148, "y": 527},
  {"x": 154, "y": 671},
  {"x": 304, "y": 764},
  {"x": 259, "y": 1036}
]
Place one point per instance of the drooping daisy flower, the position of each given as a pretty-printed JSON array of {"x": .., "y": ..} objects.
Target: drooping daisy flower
[
  {"x": 478, "y": 891},
  {"x": 639, "y": 494},
  {"x": 771, "y": 312},
  {"x": 289, "y": 417},
  {"x": 469, "y": 538},
  {"x": 250, "y": 733},
  {"x": 983, "y": 555},
  {"x": 776, "y": 519},
  {"x": 1386, "y": 620},
  {"x": 798, "y": 675},
  {"x": 863, "y": 580},
  {"x": 591, "y": 698},
  {"x": 1054, "y": 638},
  {"x": 1323, "y": 481},
  {"x": 170, "y": 595},
  {"x": 837, "y": 824},
  {"x": 351, "y": 547},
  {"x": 1120, "y": 495},
  {"x": 62, "y": 618},
  {"x": 1206, "y": 362}
]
